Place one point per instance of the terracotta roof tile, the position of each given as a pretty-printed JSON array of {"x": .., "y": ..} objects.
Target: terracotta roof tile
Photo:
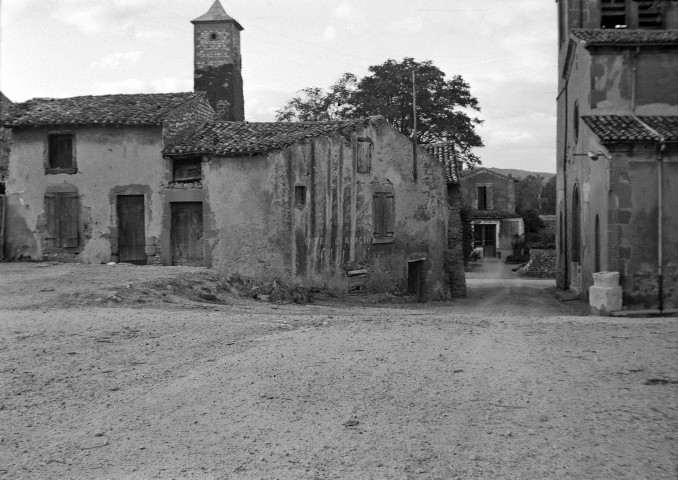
[
  {"x": 446, "y": 154},
  {"x": 625, "y": 128},
  {"x": 137, "y": 109},
  {"x": 624, "y": 36},
  {"x": 243, "y": 138},
  {"x": 493, "y": 214}
]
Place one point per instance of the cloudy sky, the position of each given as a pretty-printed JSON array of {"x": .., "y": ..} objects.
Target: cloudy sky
[{"x": 506, "y": 51}]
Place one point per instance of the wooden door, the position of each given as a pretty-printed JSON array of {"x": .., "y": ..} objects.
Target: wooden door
[
  {"x": 186, "y": 234},
  {"x": 489, "y": 241},
  {"x": 414, "y": 279},
  {"x": 131, "y": 229}
]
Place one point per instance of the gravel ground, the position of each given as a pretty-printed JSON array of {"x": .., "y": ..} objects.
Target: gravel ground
[{"x": 507, "y": 383}]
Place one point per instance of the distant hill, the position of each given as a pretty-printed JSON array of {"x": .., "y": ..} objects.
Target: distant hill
[{"x": 520, "y": 174}]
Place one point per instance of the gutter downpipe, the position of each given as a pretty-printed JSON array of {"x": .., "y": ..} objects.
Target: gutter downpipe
[{"x": 661, "y": 147}]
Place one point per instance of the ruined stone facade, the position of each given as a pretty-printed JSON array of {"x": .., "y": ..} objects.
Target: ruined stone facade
[
  {"x": 217, "y": 62},
  {"x": 341, "y": 209},
  {"x": 617, "y": 148}
]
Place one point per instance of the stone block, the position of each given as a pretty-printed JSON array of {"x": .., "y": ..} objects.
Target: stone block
[
  {"x": 606, "y": 279},
  {"x": 604, "y": 300}
]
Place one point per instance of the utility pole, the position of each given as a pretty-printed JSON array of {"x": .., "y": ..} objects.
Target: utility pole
[{"x": 414, "y": 126}]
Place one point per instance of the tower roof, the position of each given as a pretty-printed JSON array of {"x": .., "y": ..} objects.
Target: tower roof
[{"x": 216, "y": 13}]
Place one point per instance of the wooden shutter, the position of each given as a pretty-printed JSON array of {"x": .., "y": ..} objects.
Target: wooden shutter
[
  {"x": 389, "y": 214},
  {"x": 52, "y": 237},
  {"x": 189, "y": 169},
  {"x": 61, "y": 151},
  {"x": 70, "y": 214},
  {"x": 365, "y": 148},
  {"x": 377, "y": 214},
  {"x": 482, "y": 198}
]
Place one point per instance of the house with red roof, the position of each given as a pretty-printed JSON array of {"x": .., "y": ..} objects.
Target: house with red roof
[{"x": 617, "y": 148}]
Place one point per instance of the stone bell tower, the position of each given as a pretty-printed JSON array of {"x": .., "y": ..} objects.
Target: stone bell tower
[{"x": 217, "y": 63}]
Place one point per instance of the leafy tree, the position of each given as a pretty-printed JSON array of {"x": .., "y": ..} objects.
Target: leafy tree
[
  {"x": 528, "y": 192},
  {"x": 442, "y": 104},
  {"x": 548, "y": 195}
]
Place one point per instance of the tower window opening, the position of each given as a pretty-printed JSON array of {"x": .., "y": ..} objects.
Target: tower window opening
[
  {"x": 613, "y": 14},
  {"x": 213, "y": 36},
  {"x": 650, "y": 15}
]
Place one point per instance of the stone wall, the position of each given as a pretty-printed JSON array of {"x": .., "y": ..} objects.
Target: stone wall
[{"x": 542, "y": 264}]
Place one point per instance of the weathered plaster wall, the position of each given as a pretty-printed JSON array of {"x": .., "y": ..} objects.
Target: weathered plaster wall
[
  {"x": 502, "y": 190},
  {"x": 111, "y": 161},
  {"x": 650, "y": 73},
  {"x": 591, "y": 180},
  {"x": 633, "y": 226},
  {"x": 262, "y": 232}
]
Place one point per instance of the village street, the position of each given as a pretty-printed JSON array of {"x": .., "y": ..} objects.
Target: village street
[{"x": 109, "y": 372}]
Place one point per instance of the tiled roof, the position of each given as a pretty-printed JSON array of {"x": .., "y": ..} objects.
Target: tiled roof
[
  {"x": 446, "y": 154},
  {"x": 216, "y": 13},
  {"x": 623, "y": 36},
  {"x": 137, "y": 109},
  {"x": 625, "y": 128},
  {"x": 242, "y": 138},
  {"x": 493, "y": 214}
]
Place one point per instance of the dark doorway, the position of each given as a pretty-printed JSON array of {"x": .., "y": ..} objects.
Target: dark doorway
[
  {"x": 131, "y": 230},
  {"x": 485, "y": 236},
  {"x": 186, "y": 234},
  {"x": 415, "y": 282}
]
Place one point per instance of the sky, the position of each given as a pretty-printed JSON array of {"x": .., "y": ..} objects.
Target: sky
[{"x": 506, "y": 51}]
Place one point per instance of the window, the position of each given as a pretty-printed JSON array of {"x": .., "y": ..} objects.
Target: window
[
  {"x": 383, "y": 215},
  {"x": 482, "y": 197},
  {"x": 62, "y": 210},
  {"x": 213, "y": 36},
  {"x": 576, "y": 228},
  {"x": 613, "y": 14},
  {"x": 187, "y": 170},
  {"x": 575, "y": 121},
  {"x": 300, "y": 195},
  {"x": 60, "y": 158},
  {"x": 364, "y": 154},
  {"x": 650, "y": 15}
]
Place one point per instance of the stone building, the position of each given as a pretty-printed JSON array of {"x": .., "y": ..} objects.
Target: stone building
[
  {"x": 162, "y": 179},
  {"x": 617, "y": 148},
  {"x": 5, "y": 138},
  {"x": 492, "y": 197},
  {"x": 87, "y": 176},
  {"x": 327, "y": 203},
  {"x": 217, "y": 62}
]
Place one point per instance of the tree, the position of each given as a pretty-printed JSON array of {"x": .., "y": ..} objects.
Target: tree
[
  {"x": 528, "y": 193},
  {"x": 442, "y": 104},
  {"x": 548, "y": 196}
]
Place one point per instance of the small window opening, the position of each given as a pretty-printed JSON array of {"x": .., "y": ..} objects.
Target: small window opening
[
  {"x": 575, "y": 121},
  {"x": 364, "y": 153},
  {"x": 213, "y": 36},
  {"x": 613, "y": 14},
  {"x": 649, "y": 15},
  {"x": 482, "y": 198},
  {"x": 300, "y": 195},
  {"x": 187, "y": 169},
  {"x": 60, "y": 152}
]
